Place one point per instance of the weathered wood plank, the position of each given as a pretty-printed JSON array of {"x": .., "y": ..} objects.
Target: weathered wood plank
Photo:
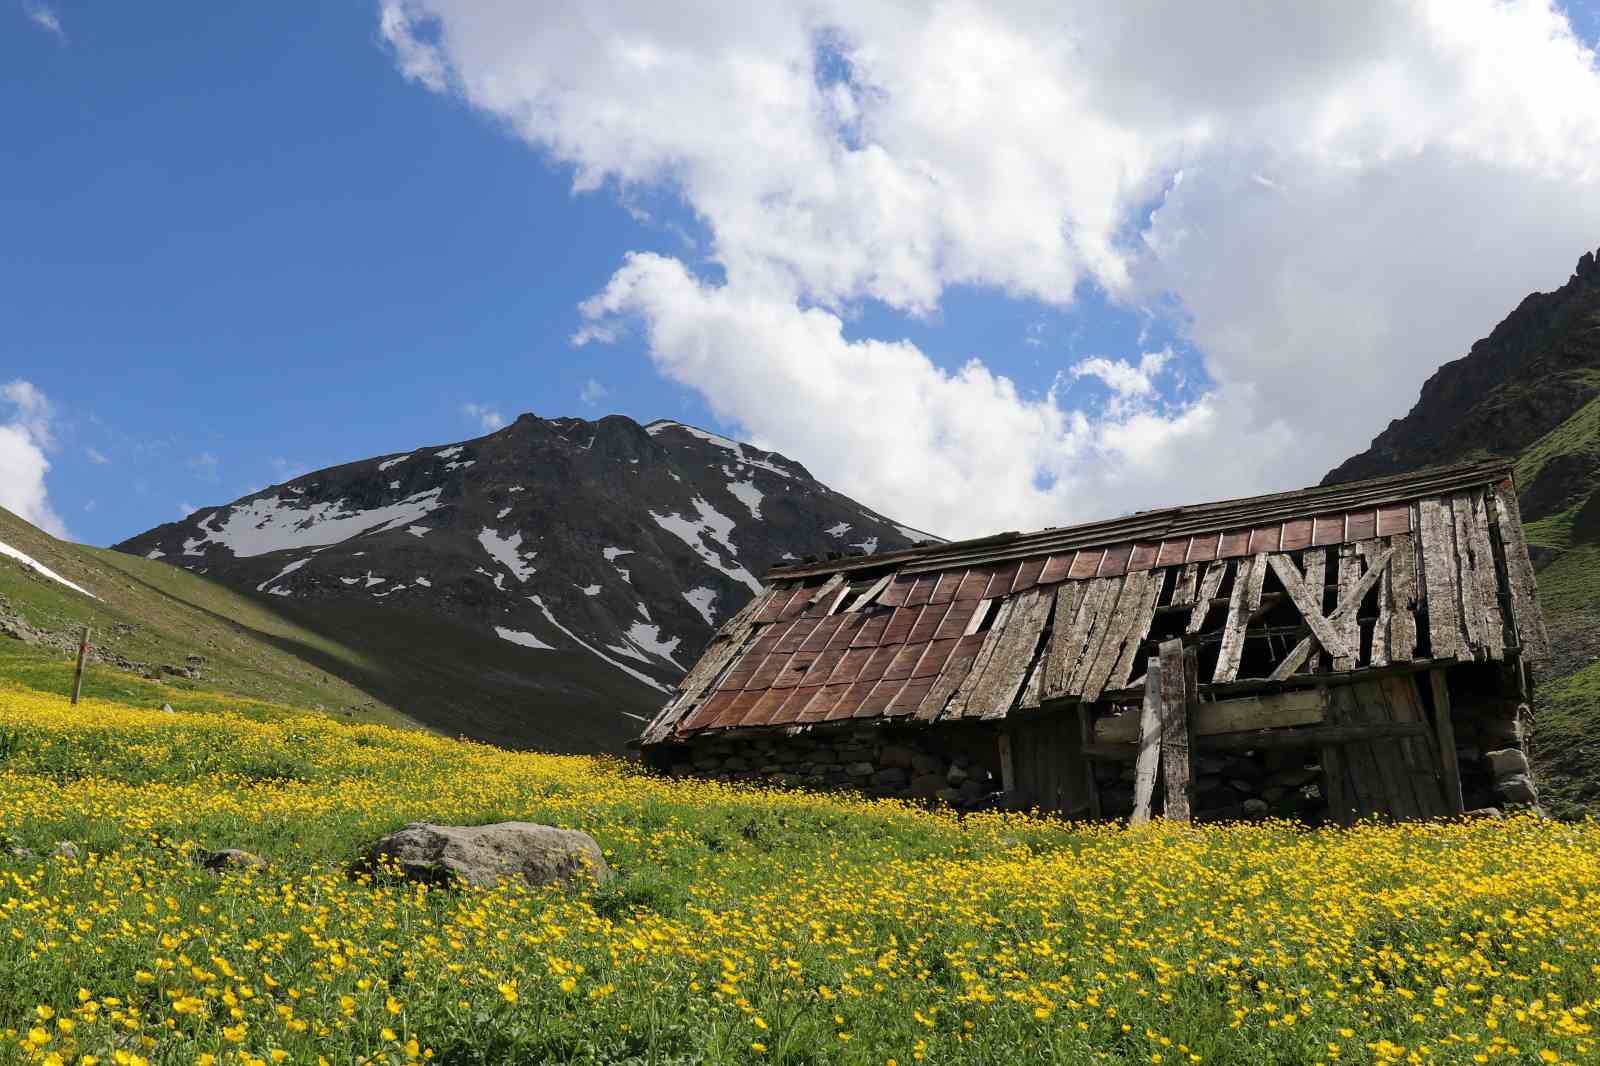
[
  {"x": 1402, "y": 588},
  {"x": 1309, "y": 605},
  {"x": 1417, "y": 753},
  {"x": 1246, "y": 597},
  {"x": 1177, "y": 695},
  {"x": 1316, "y": 565},
  {"x": 1349, "y": 625},
  {"x": 1004, "y": 676},
  {"x": 1208, "y": 591},
  {"x": 1305, "y": 736},
  {"x": 1532, "y": 638},
  {"x": 1346, "y": 607},
  {"x": 1369, "y": 551},
  {"x": 1144, "y": 774},
  {"x": 1143, "y": 615},
  {"x": 1445, "y": 734},
  {"x": 1074, "y": 602},
  {"x": 1397, "y": 796},
  {"x": 1466, "y": 578},
  {"x": 1297, "y": 707},
  {"x": 1183, "y": 593},
  {"x": 1486, "y": 579},
  {"x": 1439, "y": 591},
  {"x": 1365, "y": 783},
  {"x": 962, "y": 700},
  {"x": 1103, "y": 633},
  {"x": 871, "y": 594}
]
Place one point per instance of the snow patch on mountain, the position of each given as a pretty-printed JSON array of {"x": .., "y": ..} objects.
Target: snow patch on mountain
[
  {"x": 624, "y": 667},
  {"x": 387, "y": 463},
  {"x": 838, "y": 530},
  {"x": 527, "y": 640},
  {"x": 285, "y": 572},
  {"x": 418, "y": 531},
  {"x": 449, "y": 453},
  {"x": 720, "y": 441},
  {"x": 746, "y": 493},
  {"x": 424, "y": 582},
  {"x": 647, "y": 638},
  {"x": 272, "y": 523},
  {"x": 713, "y": 524},
  {"x": 589, "y": 590},
  {"x": 35, "y": 565},
  {"x": 701, "y": 600},
  {"x": 867, "y": 546},
  {"x": 507, "y": 551}
]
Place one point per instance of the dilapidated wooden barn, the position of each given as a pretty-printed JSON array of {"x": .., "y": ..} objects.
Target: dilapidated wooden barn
[{"x": 1332, "y": 653}]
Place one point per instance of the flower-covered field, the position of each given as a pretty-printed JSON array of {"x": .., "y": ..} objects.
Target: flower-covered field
[{"x": 742, "y": 926}]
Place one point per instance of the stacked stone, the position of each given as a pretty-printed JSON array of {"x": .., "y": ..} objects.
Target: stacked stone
[
  {"x": 1228, "y": 787},
  {"x": 865, "y": 760},
  {"x": 1490, "y": 749}
]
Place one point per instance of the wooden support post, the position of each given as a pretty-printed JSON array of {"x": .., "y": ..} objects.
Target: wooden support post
[
  {"x": 1444, "y": 731},
  {"x": 1008, "y": 770},
  {"x": 1144, "y": 777},
  {"x": 1176, "y": 695},
  {"x": 1086, "y": 738},
  {"x": 77, "y": 676}
]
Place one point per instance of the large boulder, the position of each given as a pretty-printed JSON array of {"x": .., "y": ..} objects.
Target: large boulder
[{"x": 487, "y": 854}]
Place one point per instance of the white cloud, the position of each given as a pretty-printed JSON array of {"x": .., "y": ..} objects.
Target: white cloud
[
  {"x": 283, "y": 469},
  {"x": 185, "y": 509},
  {"x": 96, "y": 456},
  {"x": 46, "y": 19},
  {"x": 485, "y": 416},
  {"x": 592, "y": 392},
  {"x": 204, "y": 465},
  {"x": 25, "y": 436},
  {"x": 1336, "y": 198}
]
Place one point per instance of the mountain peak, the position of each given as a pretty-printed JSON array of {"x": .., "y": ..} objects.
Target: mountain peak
[{"x": 581, "y": 563}]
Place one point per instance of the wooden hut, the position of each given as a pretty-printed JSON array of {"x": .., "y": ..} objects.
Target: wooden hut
[{"x": 1336, "y": 652}]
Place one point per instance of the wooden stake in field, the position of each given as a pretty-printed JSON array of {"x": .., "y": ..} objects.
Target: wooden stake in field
[{"x": 77, "y": 676}]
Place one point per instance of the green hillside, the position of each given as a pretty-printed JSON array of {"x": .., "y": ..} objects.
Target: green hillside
[{"x": 150, "y": 615}]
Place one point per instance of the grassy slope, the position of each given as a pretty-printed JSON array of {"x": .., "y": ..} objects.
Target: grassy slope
[
  {"x": 743, "y": 926},
  {"x": 153, "y": 613},
  {"x": 1567, "y": 731}
]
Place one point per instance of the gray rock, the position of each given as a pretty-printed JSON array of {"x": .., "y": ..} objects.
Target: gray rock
[
  {"x": 66, "y": 849},
  {"x": 166, "y": 708},
  {"x": 1210, "y": 765},
  {"x": 859, "y": 769},
  {"x": 21, "y": 853},
  {"x": 1240, "y": 785},
  {"x": 927, "y": 785},
  {"x": 1518, "y": 788},
  {"x": 231, "y": 859},
  {"x": 1254, "y": 808},
  {"x": 1484, "y": 812},
  {"x": 948, "y": 795},
  {"x": 892, "y": 775},
  {"x": 922, "y": 763},
  {"x": 1507, "y": 762},
  {"x": 956, "y": 774},
  {"x": 897, "y": 756},
  {"x": 487, "y": 854}
]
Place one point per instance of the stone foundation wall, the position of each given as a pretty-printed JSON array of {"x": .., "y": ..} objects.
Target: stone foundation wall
[
  {"x": 953, "y": 767},
  {"x": 1275, "y": 783}
]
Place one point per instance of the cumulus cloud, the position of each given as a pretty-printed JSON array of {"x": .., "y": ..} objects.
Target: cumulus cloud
[
  {"x": 592, "y": 391},
  {"x": 1328, "y": 200},
  {"x": 25, "y": 437},
  {"x": 486, "y": 417}
]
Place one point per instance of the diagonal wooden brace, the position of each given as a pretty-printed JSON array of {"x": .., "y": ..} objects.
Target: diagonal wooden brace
[{"x": 1309, "y": 611}]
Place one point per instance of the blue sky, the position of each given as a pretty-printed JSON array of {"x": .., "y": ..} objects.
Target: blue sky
[{"x": 246, "y": 240}]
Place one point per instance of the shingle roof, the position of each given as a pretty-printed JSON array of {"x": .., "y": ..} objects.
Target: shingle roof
[{"x": 975, "y": 629}]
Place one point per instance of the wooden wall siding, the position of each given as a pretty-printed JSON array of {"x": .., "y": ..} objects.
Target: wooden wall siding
[
  {"x": 1048, "y": 766},
  {"x": 1445, "y": 577}
]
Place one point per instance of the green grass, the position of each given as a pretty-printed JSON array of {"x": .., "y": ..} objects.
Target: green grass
[
  {"x": 152, "y": 613},
  {"x": 743, "y": 926}
]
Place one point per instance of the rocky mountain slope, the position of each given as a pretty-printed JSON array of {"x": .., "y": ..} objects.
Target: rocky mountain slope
[
  {"x": 540, "y": 586},
  {"x": 1530, "y": 391}
]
